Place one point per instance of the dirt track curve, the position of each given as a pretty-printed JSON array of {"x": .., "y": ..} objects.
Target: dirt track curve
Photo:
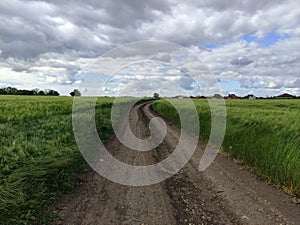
[{"x": 226, "y": 193}]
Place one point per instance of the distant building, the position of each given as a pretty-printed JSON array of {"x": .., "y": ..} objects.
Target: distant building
[
  {"x": 217, "y": 96},
  {"x": 233, "y": 96},
  {"x": 202, "y": 97},
  {"x": 285, "y": 96},
  {"x": 156, "y": 95}
]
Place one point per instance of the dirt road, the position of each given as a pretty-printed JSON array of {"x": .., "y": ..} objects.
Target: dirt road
[{"x": 226, "y": 193}]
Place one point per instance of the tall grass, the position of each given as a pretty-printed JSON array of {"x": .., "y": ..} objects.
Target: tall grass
[
  {"x": 39, "y": 155},
  {"x": 264, "y": 134}
]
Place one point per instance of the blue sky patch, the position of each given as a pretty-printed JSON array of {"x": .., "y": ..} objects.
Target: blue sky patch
[
  {"x": 210, "y": 46},
  {"x": 228, "y": 84},
  {"x": 268, "y": 40}
]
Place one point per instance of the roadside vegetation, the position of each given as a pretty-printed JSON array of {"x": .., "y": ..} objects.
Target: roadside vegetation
[
  {"x": 39, "y": 156},
  {"x": 263, "y": 134}
]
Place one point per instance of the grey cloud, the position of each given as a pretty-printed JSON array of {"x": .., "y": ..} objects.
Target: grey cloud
[
  {"x": 92, "y": 27},
  {"x": 250, "y": 6},
  {"x": 65, "y": 35},
  {"x": 293, "y": 84},
  {"x": 68, "y": 78},
  {"x": 164, "y": 57},
  {"x": 241, "y": 61},
  {"x": 15, "y": 64},
  {"x": 117, "y": 13},
  {"x": 81, "y": 26}
]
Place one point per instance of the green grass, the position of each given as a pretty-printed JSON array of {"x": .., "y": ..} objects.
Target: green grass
[
  {"x": 39, "y": 156},
  {"x": 264, "y": 134}
]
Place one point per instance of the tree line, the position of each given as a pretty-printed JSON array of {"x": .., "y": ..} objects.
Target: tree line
[{"x": 15, "y": 91}]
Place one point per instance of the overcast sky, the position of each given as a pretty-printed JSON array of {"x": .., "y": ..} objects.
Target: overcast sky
[{"x": 248, "y": 46}]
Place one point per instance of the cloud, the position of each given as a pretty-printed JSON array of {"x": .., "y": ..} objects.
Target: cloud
[
  {"x": 69, "y": 77},
  {"x": 162, "y": 57},
  {"x": 241, "y": 61},
  {"x": 51, "y": 41}
]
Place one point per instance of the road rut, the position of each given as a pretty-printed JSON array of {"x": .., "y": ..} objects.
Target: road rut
[{"x": 226, "y": 193}]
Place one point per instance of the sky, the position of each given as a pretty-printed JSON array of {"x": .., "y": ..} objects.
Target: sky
[{"x": 177, "y": 47}]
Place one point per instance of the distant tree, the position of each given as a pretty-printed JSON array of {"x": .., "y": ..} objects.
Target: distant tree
[
  {"x": 41, "y": 92},
  {"x": 156, "y": 95},
  {"x": 52, "y": 92},
  {"x": 76, "y": 92},
  {"x": 35, "y": 91},
  {"x": 3, "y": 91},
  {"x": 21, "y": 92},
  {"x": 15, "y": 91},
  {"x": 25, "y": 92},
  {"x": 11, "y": 91}
]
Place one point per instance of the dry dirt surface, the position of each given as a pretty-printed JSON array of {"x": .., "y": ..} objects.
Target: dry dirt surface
[{"x": 226, "y": 193}]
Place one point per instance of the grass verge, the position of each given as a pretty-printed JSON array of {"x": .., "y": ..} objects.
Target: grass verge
[
  {"x": 264, "y": 134},
  {"x": 39, "y": 156}
]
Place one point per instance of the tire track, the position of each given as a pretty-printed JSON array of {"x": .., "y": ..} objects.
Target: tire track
[{"x": 217, "y": 196}]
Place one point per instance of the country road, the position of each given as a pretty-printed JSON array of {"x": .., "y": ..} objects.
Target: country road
[{"x": 226, "y": 193}]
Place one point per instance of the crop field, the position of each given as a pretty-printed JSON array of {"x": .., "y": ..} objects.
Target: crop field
[
  {"x": 263, "y": 134},
  {"x": 39, "y": 155}
]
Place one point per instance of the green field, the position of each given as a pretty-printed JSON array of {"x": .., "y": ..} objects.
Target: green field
[
  {"x": 39, "y": 155},
  {"x": 264, "y": 134}
]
